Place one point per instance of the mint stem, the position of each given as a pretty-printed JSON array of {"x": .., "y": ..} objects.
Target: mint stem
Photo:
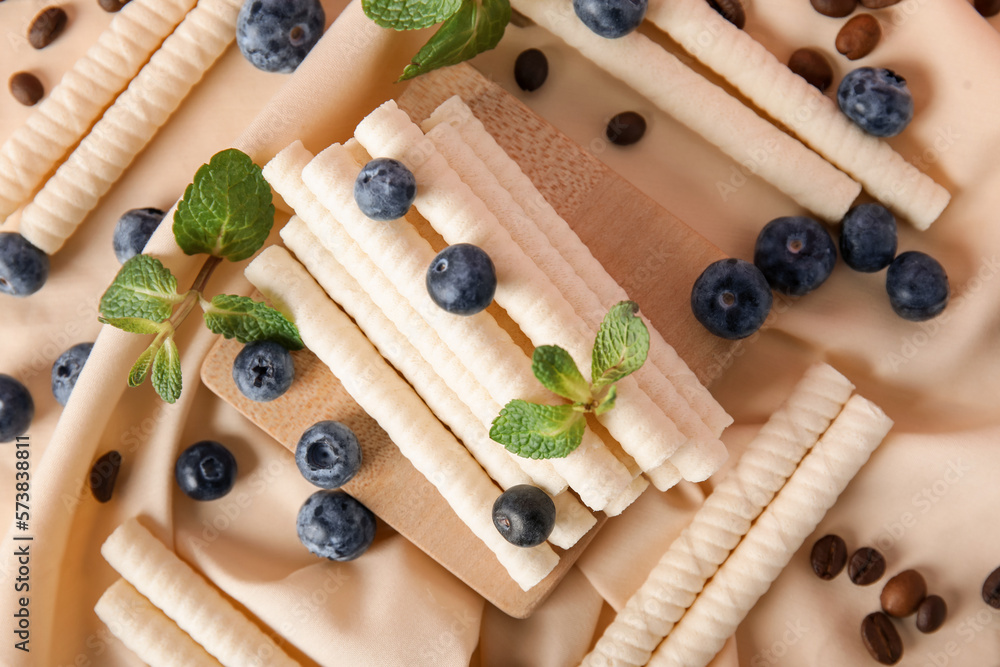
[{"x": 197, "y": 287}]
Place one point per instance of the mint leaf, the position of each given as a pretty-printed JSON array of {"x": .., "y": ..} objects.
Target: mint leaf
[
  {"x": 247, "y": 320},
  {"x": 409, "y": 14},
  {"x": 538, "y": 431},
  {"x": 556, "y": 370},
  {"x": 477, "y": 26},
  {"x": 143, "y": 288},
  {"x": 227, "y": 210},
  {"x": 167, "y": 371},
  {"x": 607, "y": 402},
  {"x": 140, "y": 368},
  {"x": 621, "y": 346},
  {"x": 136, "y": 325}
]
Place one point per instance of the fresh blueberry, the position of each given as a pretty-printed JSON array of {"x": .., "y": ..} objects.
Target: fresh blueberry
[
  {"x": 66, "y": 370},
  {"x": 205, "y": 471},
  {"x": 328, "y": 454},
  {"x": 877, "y": 100},
  {"x": 277, "y": 35},
  {"x": 795, "y": 253},
  {"x": 611, "y": 18},
  {"x": 917, "y": 286},
  {"x": 16, "y": 408},
  {"x": 462, "y": 279},
  {"x": 524, "y": 515},
  {"x": 334, "y": 525},
  {"x": 868, "y": 237},
  {"x": 263, "y": 370},
  {"x": 132, "y": 231},
  {"x": 385, "y": 189},
  {"x": 23, "y": 267},
  {"x": 531, "y": 68},
  {"x": 731, "y": 298}
]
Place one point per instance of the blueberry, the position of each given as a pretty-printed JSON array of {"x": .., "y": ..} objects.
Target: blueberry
[
  {"x": 16, "y": 408},
  {"x": 611, "y": 18},
  {"x": 205, "y": 471},
  {"x": 263, "y": 370},
  {"x": 917, "y": 286},
  {"x": 877, "y": 100},
  {"x": 462, "y": 279},
  {"x": 328, "y": 454},
  {"x": 531, "y": 69},
  {"x": 796, "y": 254},
  {"x": 334, "y": 525},
  {"x": 731, "y": 298},
  {"x": 277, "y": 35},
  {"x": 868, "y": 237},
  {"x": 385, "y": 189},
  {"x": 132, "y": 231},
  {"x": 66, "y": 370},
  {"x": 23, "y": 267},
  {"x": 524, "y": 515}
]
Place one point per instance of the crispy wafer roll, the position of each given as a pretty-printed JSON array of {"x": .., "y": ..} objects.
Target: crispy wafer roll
[
  {"x": 64, "y": 117},
  {"x": 146, "y": 631},
  {"x": 801, "y": 107},
  {"x": 183, "y": 595},
  {"x": 379, "y": 390},
  {"x": 775, "y": 536},
  {"x": 130, "y": 123},
  {"x": 723, "y": 519},
  {"x": 706, "y": 109}
]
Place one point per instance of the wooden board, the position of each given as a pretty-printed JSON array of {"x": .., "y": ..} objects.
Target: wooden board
[{"x": 655, "y": 256}]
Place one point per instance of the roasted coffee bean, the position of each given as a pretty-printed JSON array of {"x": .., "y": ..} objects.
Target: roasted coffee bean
[
  {"x": 878, "y": 4},
  {"x": 931, "y": 614},
  {"x": 46, "y": 27},
  {"x": 625, "y": 128},
  {"x": 866, "y": 566},
  {"x": 859, "y": 36},
  {"x": 991, "y": 589},
  {"x": 881, "y": 638},
  {"x": 811, "y": 66},
  {"x": 26, "y": 88},
  {"x": 903, "y": 593},
  {"x": 987, "y": 8},
  {"x": 731, "y": 10},
  {"x": 834, "y": 8},
  {"x": 531, "y": 69},
  {"x": 103, "y": 475},
  {"x": 112, "y": 5},
  {"x": 829, "y": 555}
]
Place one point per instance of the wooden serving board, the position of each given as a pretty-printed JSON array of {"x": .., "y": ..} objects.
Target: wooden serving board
[{"x": 651, "y": 253}]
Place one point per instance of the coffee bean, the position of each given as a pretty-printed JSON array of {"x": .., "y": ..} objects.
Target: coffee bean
[
  {"x": 46, "y": 27},
  {"x": 829, "y": 555},
  {"x": 881, "y": 638},
  {"x": 112, "y": 5},
  {"x": 811, "y": 66},
  {"x": 859, "y": 36},
  {"x": 878, "y": 4},
  {"x": 991, "y": 589},
  {"x": 903, "y": 593},
  {"x": 866, "y": 567},
  {"x": 103, "y": 475},
  {"x": 531, "y": 69},
  {"x": 931, "y": 614},
  {"x": 987, "y": 8},
  {"x": 834, "y": 8},
  {"x": 625, "y": 128},
  {"x": 731, "y": 10},
  {"x": 26, "y": 88}
]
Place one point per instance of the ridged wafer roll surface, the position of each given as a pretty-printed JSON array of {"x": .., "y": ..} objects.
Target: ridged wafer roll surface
[
  {"x": 130, "y": 123},
  {"x": 723, "y": 519},
  {"x": 775, "y": 536},
  {"x": 508, "y": 173},
  {"x": 801, "y": 107},
  {"x": 706, "y": 109},
  {"x": 183, "y": 595},
  {"x": 146, "y": 631},
  {"x": 391, "y": 402},
  {"x": 572, "y": 523},
  {"x": 75, "y": 103}
]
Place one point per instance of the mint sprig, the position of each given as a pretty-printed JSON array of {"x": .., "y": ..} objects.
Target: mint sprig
[
  {"x": 541, "y": 431},
  {"x": 226, "y": 213},
  {"x": 408, "y": 15}
]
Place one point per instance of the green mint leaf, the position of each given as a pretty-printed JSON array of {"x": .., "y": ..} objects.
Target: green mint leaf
[
  {"x": 409, "y": 14},
  {"x": 166, "y": 375},
  {"x": 538, "y": 431},
  {"x": 607, "y": 402},
  {"x": 143, "y": 288},
  {"x": 136, "y": 325},
  {"x": 555, "y": 369},
  {"x": 621, "y": 346},
  {"x": 227, "y": 210},
  {"x": 247, "y": 320},
  {"x": 140, "y": 369},
  {"x": 477, "y": 26}
]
